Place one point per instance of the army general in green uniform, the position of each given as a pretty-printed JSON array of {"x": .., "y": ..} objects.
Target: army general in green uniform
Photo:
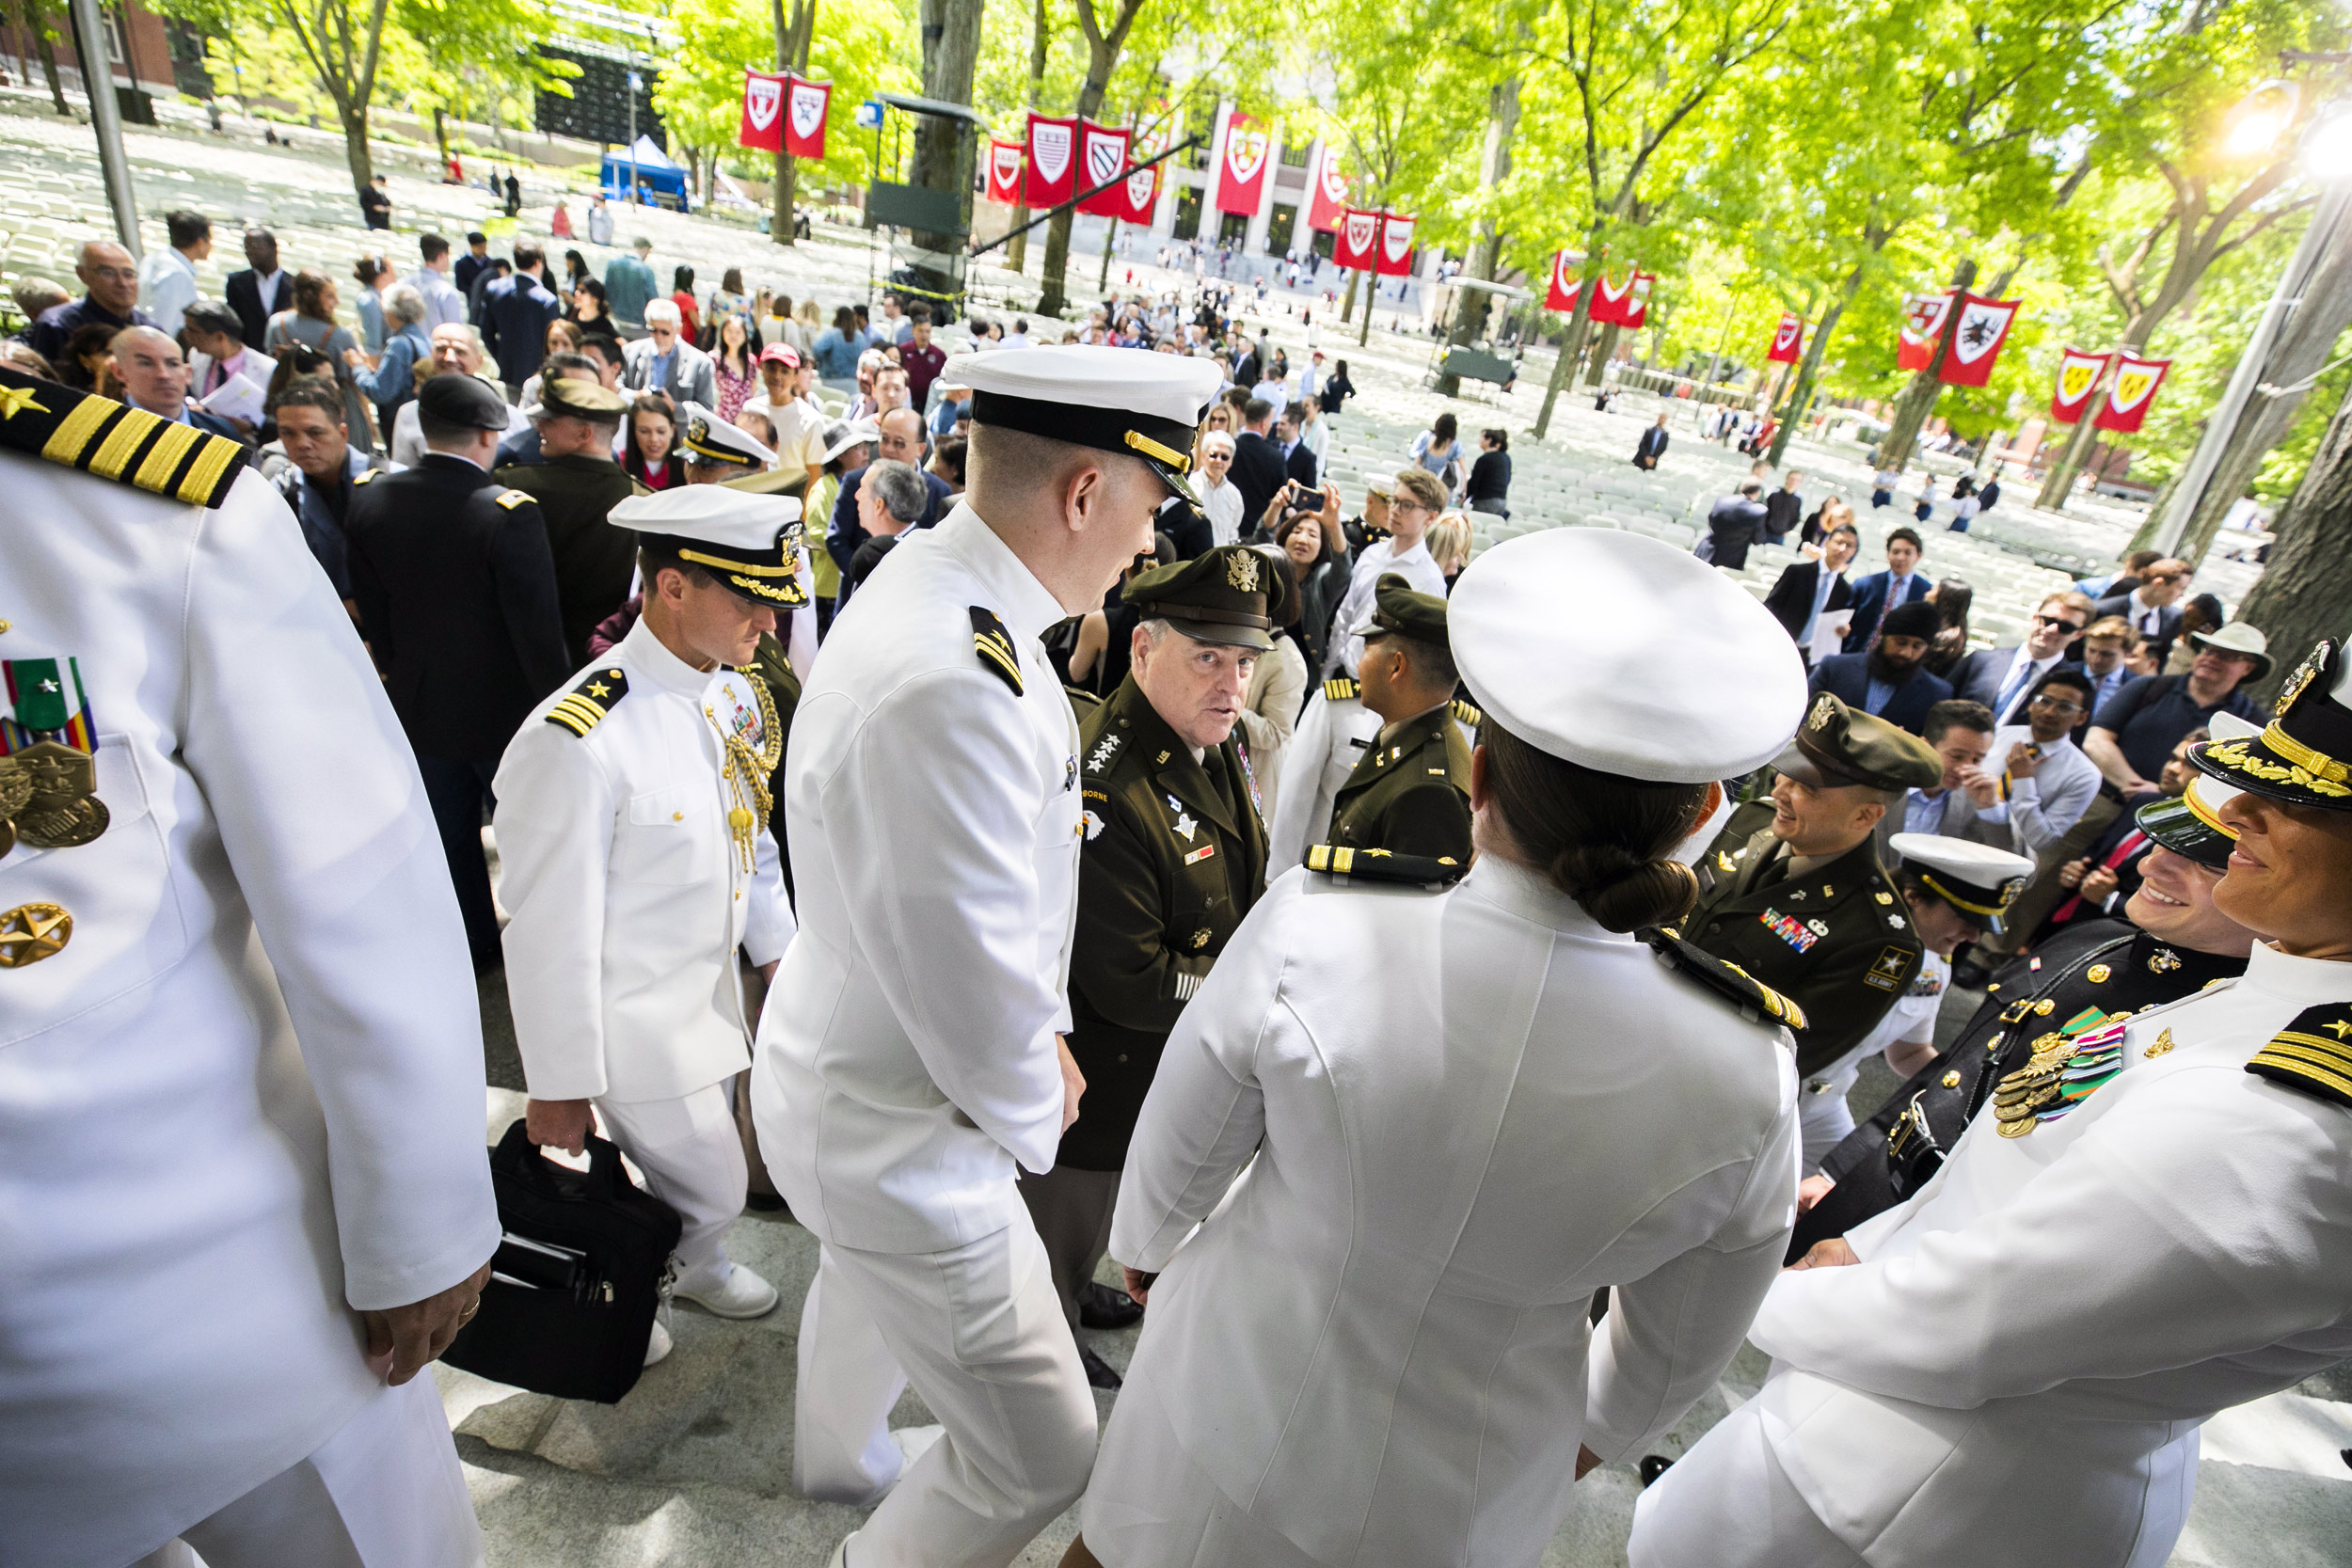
[
  {"x": 1802, "y": 904},
  {"x": 1174, "y": 856},
  {"x": 1409, "y": 793}
]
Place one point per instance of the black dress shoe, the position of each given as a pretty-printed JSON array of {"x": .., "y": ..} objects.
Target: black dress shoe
[
  {"x": 766, "y": 1203},
  {"x": 1099, "y": 1371},
  {"x": 1102, "y": 1306},
  {"x": 1654, "y": 1466}
]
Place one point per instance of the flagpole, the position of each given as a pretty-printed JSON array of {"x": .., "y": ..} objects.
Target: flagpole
[{"x": 1047, "y": 216}]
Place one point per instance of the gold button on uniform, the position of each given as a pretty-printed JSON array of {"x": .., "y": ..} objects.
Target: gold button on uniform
[
  {"x": 2044, "y": 1008},
  {"x": 2097, "y": 975},
  {"x": 1952, "y": 1078}
]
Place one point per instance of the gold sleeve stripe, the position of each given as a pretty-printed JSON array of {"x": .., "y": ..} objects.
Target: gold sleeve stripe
[
  {"x": 201, "y": 487},
  {"x": 997, "y": 655},
  {"x": 2327, "y": 1074},
  {"x": 123, "y": 441},
  {"x": 76, "y": 430},
  {"x": 163, "y": 459}
]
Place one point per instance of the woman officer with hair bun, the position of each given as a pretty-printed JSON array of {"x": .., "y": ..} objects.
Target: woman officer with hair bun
[{"x": 1416, "y": 1118}]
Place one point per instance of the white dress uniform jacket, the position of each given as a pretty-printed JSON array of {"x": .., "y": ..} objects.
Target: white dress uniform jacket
[
  {"x": 917, "y": 1062},
  {"x": 1468, "y": 1112},
  {"x": 2018, "y": 1368},
  {"x": 245, "y": 1098},
  {"x": 627, "y": 894}
]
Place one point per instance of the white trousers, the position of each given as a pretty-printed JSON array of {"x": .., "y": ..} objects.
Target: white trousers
[
  {"x": 1728, "y": 1504},
  {"x": 385, "y": 1492},
  {"x": 980, "y": 1334},
  {"x": 1823, "y": 1118},
  {"x": 692, "y": 1158}
]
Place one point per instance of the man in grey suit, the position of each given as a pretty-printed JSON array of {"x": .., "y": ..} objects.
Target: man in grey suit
[
  {"x": 2000, "y": 678},
  {"x": 664, "y": 360},
  {"x": 2153, "y": 608}
]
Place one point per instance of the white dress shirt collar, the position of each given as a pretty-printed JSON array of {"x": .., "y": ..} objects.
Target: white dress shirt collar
[
  {"x": 651, "y": 658},
  {"x": 1519, "y": 890},
  {"x": 1027, "y": 606},
  {"x": 2312, "y": 982}
]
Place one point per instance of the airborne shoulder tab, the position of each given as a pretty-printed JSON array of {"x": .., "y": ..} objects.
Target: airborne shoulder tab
[
  {"x": 112, "y": 440},
  {"x": 1381, "y": 866},
  {"x": 1726, "y": 980},
  {"x": 2312, "y": 1054},
  {"x": 513, "y": 498},
  {"x": 1340, "y": 689},
  {"x": 993, "y": 644},
  {"x": 366, "y": 476},
  {"x": 585, "y": 706}
]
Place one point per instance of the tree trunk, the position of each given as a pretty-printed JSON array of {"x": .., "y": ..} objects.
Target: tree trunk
[
  {"x": 1494, "y": 166},
  {"x": 1017, "y": 253},
  {"x": 2307, "y": 582},
  {"x": 355, "y": 120},
  {"x": 1347, "y": 301},
  {"x": 1572, "y": 341},
  {"x": 36, "y": 26},
  {"x": 1110, "y": 238},
  {"x": 792, "y": 55},
  {"x": 1057, "y": 293},
  {"x": 1917, "y": 400},
  {"x": 2304, "y": 347},
  {"x": 1810, "y": 371},
  {"x": 951, "y": 48},
  {"x": 441, "y": 136},
  {"x": 1601, "y": 353}
]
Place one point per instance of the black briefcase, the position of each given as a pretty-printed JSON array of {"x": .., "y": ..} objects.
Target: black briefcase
[{"x": 577, "y": 1278}]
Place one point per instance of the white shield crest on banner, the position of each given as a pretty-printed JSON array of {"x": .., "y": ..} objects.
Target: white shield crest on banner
[
  {"x": 1245, "y": 154},
  {"x": 1334, "y": 182},
  {"x": 1360, "y": 228},
  {"x": 761, "y": 97},
  {"x": 1008, "y": 158},
  {"x": 808, "y": 108},
  {"x": 1396, "y": 239},
  {"x": 1561, "y": 278},
  {"x": 1925, "y": 313},
  {"x": 1981, "y": 325},
  {"x": 1050, "y": 145},
  {"x": 1789, "y": 328},
  {"x": 1140, "y": 188},
  {"x": 1105, "y": 156}
]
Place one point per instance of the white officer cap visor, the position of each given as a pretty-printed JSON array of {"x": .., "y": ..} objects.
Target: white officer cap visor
[
  {"x": 1975, "y": 878},
  {"x": 750, "y": 543},
  {"x": 1620, "y": 653},
  {"x": 1130, "y": 400},
  {"x": 705, "y": 437}
]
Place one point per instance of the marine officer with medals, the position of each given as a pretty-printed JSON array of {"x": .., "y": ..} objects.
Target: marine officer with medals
[
  {"x": 2087, "y": 974},
  {"x": 1803, "y": 903},
  {"x": 1954, "y": 890},
  {"x": 1348, "y": 1197},
  {"x": 937, "y": 826},
  {"x": 1174, "y": 857},
  {"x": 2153, "y": 1226},
  {"x": 630, "y": 818},
  {"x": 241, "y": 1089},
  {"x": 1409, "y": 792}
]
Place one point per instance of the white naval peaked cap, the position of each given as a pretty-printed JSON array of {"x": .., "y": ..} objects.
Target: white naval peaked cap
[
  {"x": 1123, "y": 399},
  {"x": 705, "y": 437},
  {"x": 2206, "y": 790},
  {"x": 735, "y": 519},
  {"x": 1622, "y": 654},
  {"x": 1973, "y": 865}
]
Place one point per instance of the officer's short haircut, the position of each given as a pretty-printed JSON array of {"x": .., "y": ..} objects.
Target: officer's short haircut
[
  {"x": 1955, "y": 713},
  {"x": 899, "y": 487},
  {"x": 320, "y": 395},
  {"x": 186, "y": 228},
  {"x": 652, "y": 560},
  {"x": 577, "y": 364},
  {"x": 1256, "y": 410},
  {"x": 208, "y": 318},
  {"x": 432, "y": 246},
  {"x": 1433, "y": 663}
]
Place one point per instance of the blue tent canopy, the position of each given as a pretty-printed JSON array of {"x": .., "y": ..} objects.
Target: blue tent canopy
[{"x": 661, "y": 180}]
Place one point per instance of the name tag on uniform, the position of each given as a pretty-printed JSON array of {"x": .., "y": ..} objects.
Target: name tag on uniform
[{"x": 1200, "y": 854}]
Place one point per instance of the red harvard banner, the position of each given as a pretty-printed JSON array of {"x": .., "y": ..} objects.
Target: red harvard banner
[
  {"x": 1357, "y": 240},
  {"x": 1101, "y": 153},
  {"x": 1788, "y": 341},
  {"x": 1610, "y": 300},
  {"x": 1977, "y": 341},
  {"x": 1560, "y": 293},
  {"x": 1241, "y": 171},
  {"x": 1396, "y": 245},
  {"x": 1328, "y": 202},
  {"x": 1923, "y": 323},
  {"x": 2077, "y": 374},
  {"x": 804, "y": 106},
  {"x": 1005, "y": 161},
  {"x": 1052, "y": 160},
  {"x": 762, "y": 127},
  {"x": 1140, "y": 194},
  {"x": 1637, "y": 302},
  {"x": 2126, "y": 402}
]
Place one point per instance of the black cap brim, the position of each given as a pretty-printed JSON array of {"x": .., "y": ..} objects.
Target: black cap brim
[{"x": 2176, "y": 823}]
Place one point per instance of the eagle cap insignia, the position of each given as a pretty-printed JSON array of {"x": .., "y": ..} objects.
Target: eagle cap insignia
[
  {"x": 1241, "y": 570},
  {"x": 1823, "y": 706}
]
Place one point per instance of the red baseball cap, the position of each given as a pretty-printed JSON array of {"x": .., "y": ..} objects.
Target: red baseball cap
[{"x": 783, "y": 353}]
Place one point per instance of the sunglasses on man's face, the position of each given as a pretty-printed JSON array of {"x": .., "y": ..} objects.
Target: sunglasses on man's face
[{"x": 2059, "y": 621}]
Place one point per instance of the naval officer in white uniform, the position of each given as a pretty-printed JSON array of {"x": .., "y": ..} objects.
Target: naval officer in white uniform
[
  {"x": 2153, "y": 1224},
  {"x": 632, "y": 811},
  {"x": 242, "y": 1184},
  {"x": 1417, "y": 1129},
  {"x": 932, "y": 787}
]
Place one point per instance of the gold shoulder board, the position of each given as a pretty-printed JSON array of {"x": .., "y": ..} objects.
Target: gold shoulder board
[
  {"x": 129, "y": 446},
  {"x": 1339, "y": 690},
  {"x": 1726, "y": 980},
  {"x": 365, "y": 476},
  {"x": 1468, "y": 713},
  {"x": 1381, "y": 866},
  {"x": 993, "y": 644},
  {"x": 585, "y": 706},
  {"x": 513, "y": 498},
  {"x": 2312, "y": 1054}
]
